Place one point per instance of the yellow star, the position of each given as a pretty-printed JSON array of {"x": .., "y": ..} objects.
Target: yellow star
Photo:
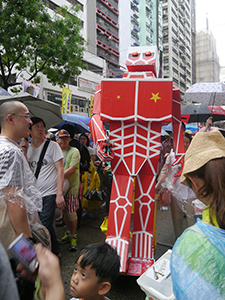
[
  {"x": 118, "y": 97},
  {"x": 155, "y": 97}
]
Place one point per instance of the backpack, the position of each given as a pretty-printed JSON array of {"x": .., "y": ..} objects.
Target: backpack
[{"x": 84, "y": 155}]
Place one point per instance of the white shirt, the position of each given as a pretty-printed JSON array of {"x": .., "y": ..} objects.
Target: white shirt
[{"x": 47, "y": 179}]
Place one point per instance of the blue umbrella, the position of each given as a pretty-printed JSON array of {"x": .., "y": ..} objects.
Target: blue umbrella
[
  {"x": 191, "y": 127},
  {"x": 83, "y": 119},
  {"x": 80, "y": 127}
]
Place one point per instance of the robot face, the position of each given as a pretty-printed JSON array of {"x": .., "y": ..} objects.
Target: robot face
[{"x": 143, "y": 59}]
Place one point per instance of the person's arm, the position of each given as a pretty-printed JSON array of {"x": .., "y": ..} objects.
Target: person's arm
[
  {"x": 60, "y": 202},
  {"x": 208, "y": 123},
  {"x": 93, "y": 157},
  {"x": 17, "y": 213},
  {"x": 49, "y": 274},
  {"x": 51, "y": 286},
  {"x": 164, "y": 172},
  {"x": 162, "y": 176},
  {"x": 69, "y": 171}
]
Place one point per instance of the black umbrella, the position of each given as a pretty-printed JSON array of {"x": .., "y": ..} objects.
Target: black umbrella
[{"x": 196, "y": 112}]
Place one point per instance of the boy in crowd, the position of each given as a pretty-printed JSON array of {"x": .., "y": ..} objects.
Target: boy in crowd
[{"x": 97, "y": 266}]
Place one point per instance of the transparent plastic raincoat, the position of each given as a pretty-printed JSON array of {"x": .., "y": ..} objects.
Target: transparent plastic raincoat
[
  {"x": 198, "y": 263},
  {"x": 17, "y": 185}
]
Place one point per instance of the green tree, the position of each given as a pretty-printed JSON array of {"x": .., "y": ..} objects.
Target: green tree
[{"x": 33, "y": 41}]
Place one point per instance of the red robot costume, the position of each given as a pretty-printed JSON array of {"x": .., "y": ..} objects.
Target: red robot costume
[{"x": 135, "y": 107}]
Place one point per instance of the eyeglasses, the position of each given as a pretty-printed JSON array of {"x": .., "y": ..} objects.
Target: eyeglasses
[
  {"x": 27, "y": 116},
  {"x": 63, "y": 137}
]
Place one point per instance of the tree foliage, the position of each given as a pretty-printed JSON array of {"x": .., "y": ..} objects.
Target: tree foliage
[{"x": 33, "y": 41}]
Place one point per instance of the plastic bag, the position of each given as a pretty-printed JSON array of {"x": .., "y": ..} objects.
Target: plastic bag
[
  {"x": 98, "y": 195},
  {"x": 164, "y": 197},
  {"x": 182, "y": 193},
  {"x": 198, "y": 263}
]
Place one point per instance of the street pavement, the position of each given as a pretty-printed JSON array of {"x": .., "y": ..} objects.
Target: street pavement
[{"x": 125, "y": 286}]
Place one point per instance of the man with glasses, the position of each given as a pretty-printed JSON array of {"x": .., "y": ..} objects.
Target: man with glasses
[
  {"x": 20, "y": 200},
  {"x": 50, "y": 179}
]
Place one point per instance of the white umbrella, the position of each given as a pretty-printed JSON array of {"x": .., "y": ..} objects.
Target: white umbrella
[
  {"x": 50, "y": 112},
  {"x": 209, "y": 93}
]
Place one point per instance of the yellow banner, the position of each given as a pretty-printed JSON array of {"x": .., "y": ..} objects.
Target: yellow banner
[
  {"x": 66, "y": 100},
  {"x": 91, "y": 105}
]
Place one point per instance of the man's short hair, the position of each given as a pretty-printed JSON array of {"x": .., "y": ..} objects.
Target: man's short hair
[
  {"x": 103, "y": 259},
  {"x": 36, "y": 120},
  {"x": 9, "y": 107}
]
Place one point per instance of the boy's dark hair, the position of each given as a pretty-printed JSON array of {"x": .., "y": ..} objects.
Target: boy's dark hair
[
  {"x": 36, "y": 120},
  {"x": 103, "y": 258}
]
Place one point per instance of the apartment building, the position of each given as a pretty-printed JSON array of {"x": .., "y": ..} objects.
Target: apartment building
[
  {"x": 129, "y": 20},
  {"x": 107, "y": 34},
  {"x": 177, "y": 43},
  {"x": 151, "y": 23},
  {"x": 140, "y": 25},
  {"x": 193, "y": 39},
  {"x": 207, "y": 60}
]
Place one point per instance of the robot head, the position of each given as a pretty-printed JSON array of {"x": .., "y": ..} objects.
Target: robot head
[{"x": 143, "y": 59}]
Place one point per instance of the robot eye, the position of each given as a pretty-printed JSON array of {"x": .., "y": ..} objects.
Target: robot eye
[
  {"x": 135, "y": 54},
  {"x": 148, "y": 53}
]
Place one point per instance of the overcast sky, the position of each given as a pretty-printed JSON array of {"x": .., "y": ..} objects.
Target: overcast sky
[{"x": 215, "y": 9}]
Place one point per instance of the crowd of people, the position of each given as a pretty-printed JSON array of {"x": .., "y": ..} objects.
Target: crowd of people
[
  {"x": 33, "y": 179},
  {"x": 39, "y": 176}
]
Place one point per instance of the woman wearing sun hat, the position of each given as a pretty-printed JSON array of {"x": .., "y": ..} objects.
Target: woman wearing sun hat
[{"x": 198, "y": 256}]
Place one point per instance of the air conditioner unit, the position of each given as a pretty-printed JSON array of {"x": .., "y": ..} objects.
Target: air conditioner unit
[
  {"x": 86, "y": 109},
  {"x": 74, "y": 107},
  {"x": 81, "y": 109}
]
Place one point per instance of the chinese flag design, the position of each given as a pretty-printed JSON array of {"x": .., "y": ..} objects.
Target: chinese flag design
[
  {"x": 118, "y": 99},
  {"x": 155, "y": 99},
  {"x": 136, "y": 100}
]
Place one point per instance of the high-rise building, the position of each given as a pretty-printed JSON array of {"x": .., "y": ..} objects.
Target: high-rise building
[
  {"x": 107, "y": 35},
  {"x": 207, "y": 60},
  {"x": 129, "y": 21},
  {"x": 140, "y": 25},
  {"x": 193, "y": 40},
  {"x": 177, "y": 43},
  {"x": 222, "y": 74},
  {"x": 151, "y": 23}
]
